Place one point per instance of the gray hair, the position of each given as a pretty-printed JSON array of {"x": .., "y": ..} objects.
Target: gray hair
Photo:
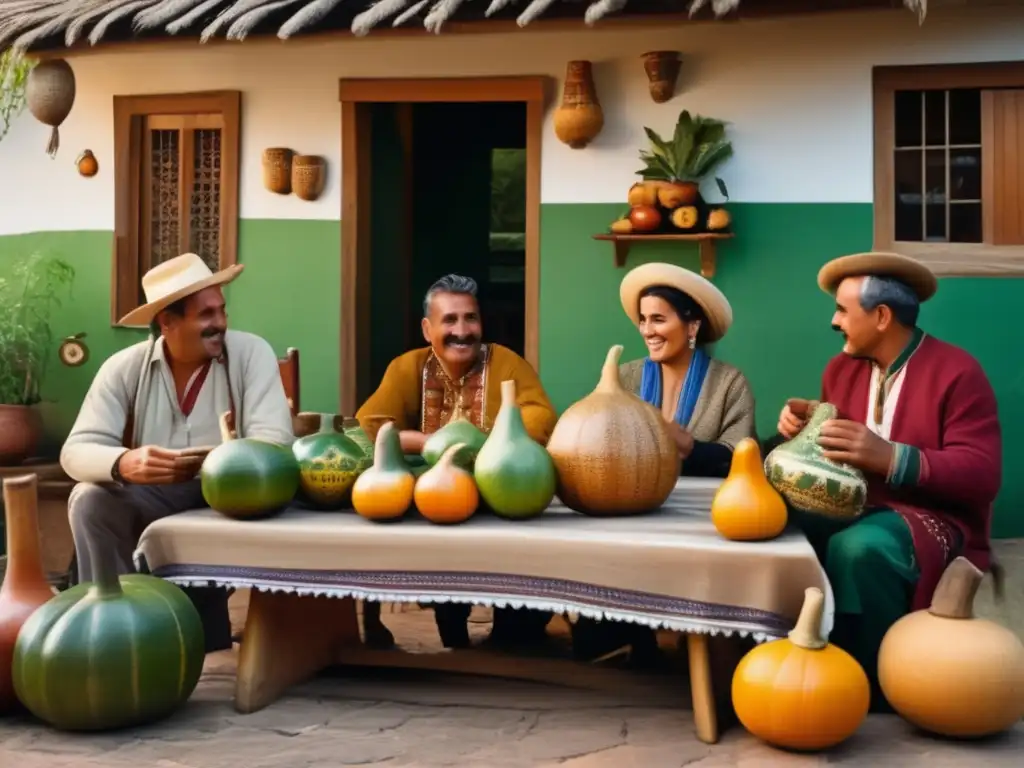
[
  {"x": 896, "y": 295},
  {"x": 449, "y": 284}
]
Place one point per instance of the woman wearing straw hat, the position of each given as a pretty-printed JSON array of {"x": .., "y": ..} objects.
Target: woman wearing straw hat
[{"x": 707, "y": 404}]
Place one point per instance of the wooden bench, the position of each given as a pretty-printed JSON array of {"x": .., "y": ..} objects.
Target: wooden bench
[{"x": 307, "y": 569}]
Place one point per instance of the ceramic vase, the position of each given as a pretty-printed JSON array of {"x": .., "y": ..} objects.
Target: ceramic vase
[{"x": 579, "y": 118}]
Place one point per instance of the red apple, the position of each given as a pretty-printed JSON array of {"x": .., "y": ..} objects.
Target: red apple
[{"x": 645, "y": 218}]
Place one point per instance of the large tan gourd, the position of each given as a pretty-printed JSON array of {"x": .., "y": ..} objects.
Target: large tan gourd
[
  {"x": 948, "y": 672},
  {"x": 613, "y": 453}
]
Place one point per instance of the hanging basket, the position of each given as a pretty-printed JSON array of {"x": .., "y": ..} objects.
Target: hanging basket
[
  {"x": 277, "y": 170},
  {"x": 50, "y": 94},
  {"x": 309, "y": 174}
]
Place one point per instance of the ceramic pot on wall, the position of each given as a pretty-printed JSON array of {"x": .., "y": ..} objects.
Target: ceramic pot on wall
[{"x": 580, "y": 118}]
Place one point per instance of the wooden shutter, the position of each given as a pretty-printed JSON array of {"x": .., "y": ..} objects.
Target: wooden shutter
[{"x": 1002, "y": 128}]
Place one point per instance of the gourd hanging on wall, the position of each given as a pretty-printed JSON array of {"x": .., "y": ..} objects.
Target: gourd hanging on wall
[
  {"x": 50, "y": 94},
  {"x": 580, "y": 118}
]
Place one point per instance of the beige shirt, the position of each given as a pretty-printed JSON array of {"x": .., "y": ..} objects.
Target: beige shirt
[
  {"x": 884, "y": 429},
  {"x": 140, "y": 375}
]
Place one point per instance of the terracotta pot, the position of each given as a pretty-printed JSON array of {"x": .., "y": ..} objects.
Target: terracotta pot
[
  {"x": 20, "y": 429},
  {"x": 672, "y": 194},
  {"x": 25, "y": 587},
  {"x": 662, "y": 68}
]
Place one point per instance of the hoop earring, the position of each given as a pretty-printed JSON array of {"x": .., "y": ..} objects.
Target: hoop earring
[{"x": 693, "y": 342}]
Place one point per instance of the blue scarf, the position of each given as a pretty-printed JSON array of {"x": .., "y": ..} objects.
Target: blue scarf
[{"x": 651, "y": 392}]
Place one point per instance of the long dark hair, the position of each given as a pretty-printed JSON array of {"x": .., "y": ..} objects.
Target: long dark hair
[{"x": 688, "y": 310}]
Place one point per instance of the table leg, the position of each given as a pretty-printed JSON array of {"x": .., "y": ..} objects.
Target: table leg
[
  {"x": 705, "y": 716},
  {"x": 288, "y": 638}
]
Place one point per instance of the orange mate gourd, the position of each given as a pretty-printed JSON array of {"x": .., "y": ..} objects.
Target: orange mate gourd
[
  {"x": 385, "y": 490},
  {"x": 746, "y": 507},
  {"x": 801, "y": 692},
  {"x": 446, "y": 493}
]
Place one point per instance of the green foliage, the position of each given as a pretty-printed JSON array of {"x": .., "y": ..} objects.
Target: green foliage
[
  {"x": 14, "y": 71},
  {"x": 697, "y": 147},
  {"x": 508, "y": 190},
  {"x": 28, "y": 296}
]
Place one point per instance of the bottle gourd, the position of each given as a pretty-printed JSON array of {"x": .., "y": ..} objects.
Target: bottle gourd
[
  {"x": 446, "y": 493},
  {"x": 746, "y": 507},
  {"x": 329, "y": 463},
  {"x": 459, "y": 429},
  {"x": 514, "y": 473},
  {"x": 384, "y": 491},
  {"x": 612, "y": 451}
]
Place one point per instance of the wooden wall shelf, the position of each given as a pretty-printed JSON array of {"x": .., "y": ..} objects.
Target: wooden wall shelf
[{"x": 706, "y": 242}]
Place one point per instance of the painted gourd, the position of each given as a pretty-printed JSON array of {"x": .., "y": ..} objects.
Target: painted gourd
[
  {"x": 354, "y": 432},
  {"x": 459, "y": 429},
  {"x": 514, "y": 473},
  {"x": 25, "y": 587},
  {"x": 384, "y": 491},
  {"x": 809, "y": 482},
  {"x": 446, "y": 493},
  {"x": 612, "y": 452},
  {"x": 950, "y": 673},
  {"x": 248, "y": 478},
  {"x": 746, "y": 507},
  {"x": 801, "y": 693},
  {"x": 329, "y": 463},
  {"x": 108, "y": 654}
]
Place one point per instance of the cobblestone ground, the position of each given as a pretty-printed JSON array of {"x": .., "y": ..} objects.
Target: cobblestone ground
[{"x": 398, "y": 718}]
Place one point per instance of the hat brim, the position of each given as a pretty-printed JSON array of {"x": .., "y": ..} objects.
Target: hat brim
[
  {"x": 716, "y": 307},
  {"x": 905, "y": 269},
  {"x": 144, "y": 315}
]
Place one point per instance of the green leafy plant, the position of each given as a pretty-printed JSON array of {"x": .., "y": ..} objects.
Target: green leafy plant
[
  {"x": 508, "y": 190},
  {"x": 697, "y": 147},
  {"x": 28, "y": 297},
  {"x": 14, "y": 71}
]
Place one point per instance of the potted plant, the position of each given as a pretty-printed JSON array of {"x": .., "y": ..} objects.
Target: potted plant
[
  {"x": 697, "y": 147},
  {"x": 29, "y": 293}
]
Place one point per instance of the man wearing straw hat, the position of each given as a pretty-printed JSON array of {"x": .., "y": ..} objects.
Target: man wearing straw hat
[
  {"x": 152, "y": 413},
  {"x": 918, "y": 416}
]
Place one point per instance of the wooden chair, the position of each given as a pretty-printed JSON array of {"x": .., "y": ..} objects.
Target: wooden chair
[{"x": 289, "y": 368}]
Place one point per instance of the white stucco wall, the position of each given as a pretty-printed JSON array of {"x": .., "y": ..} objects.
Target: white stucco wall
[{"x": 797, "y": 91}]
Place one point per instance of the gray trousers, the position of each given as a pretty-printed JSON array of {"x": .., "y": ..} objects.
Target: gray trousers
[{"x": 107, "y": 521}]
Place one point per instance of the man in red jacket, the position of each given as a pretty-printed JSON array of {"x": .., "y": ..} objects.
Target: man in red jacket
[{"x": 918, "y": 416}]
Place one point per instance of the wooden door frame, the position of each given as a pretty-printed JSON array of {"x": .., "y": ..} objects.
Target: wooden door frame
[{"x": 355, "y": 189}]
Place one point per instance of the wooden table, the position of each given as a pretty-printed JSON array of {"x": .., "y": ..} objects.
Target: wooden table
[{"x": 669, "y": 569}]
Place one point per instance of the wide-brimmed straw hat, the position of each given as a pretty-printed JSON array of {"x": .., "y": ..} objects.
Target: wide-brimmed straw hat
[
  {"x": 175, "y": 279},
  {"x": 905, "y": 269},
  {"x": 716, "y": 307}
]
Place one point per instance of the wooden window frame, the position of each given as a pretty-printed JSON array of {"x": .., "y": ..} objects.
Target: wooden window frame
[
  {"x": 950, "y": 259},
  {"x": 130, "y": 113}
]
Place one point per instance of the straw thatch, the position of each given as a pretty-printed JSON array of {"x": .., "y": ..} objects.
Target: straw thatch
[{"x": 28, "y": 23}]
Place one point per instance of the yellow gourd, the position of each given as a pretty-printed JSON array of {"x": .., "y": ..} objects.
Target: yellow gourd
[
  {"x": 384, "y": 491},
  {"x": 612, "y": 451},
  {"x": 746, "y": 507},
  {"x": 684, "y": 217},
  {"x": 801, "y": 692},
  {"x": 948, "y": 672},
  {"x": 446, "y": 493}
]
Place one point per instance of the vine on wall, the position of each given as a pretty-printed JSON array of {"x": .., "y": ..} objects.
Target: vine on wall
[{"x": 14, "y": 70}]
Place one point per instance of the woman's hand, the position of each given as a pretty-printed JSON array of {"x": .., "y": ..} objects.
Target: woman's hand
[{"x": 682, "y": 437}]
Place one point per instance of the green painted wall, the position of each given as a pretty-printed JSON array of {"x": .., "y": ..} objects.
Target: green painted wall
[{"x": 781, "y": 337}]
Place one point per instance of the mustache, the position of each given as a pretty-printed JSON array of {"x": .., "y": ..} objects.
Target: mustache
[
  {"x": 210, "y": 332},
  {"x": 453, "y": 339},
  {"x": 838, "y": 330}
]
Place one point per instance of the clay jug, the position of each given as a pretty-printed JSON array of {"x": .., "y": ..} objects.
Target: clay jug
[
  {"x": 579, "y": 118},
  {"x": 810, "y": 482},
  {"x": 25, "y": 587}
]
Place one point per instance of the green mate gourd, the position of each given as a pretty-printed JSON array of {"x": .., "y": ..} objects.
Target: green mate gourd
[
  {"x": 811, "y": 483},
  {"x": 514, "y": 473},
  {"x": 248, "y": 478},
  {"x": 111, "y": 653},
  {"x": 459, "y": 429},
  {"x": 329, "y": 463}
]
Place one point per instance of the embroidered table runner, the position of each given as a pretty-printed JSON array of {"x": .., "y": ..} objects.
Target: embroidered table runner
[{"x": 666, "y": 569}]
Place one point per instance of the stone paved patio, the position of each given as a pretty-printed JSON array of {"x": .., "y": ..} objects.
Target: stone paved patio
[{"x": 400, "y": 718}]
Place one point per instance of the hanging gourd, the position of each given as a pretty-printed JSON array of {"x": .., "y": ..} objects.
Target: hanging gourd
[
  {"x": 112, "y": 653},
  {"x": 248, "y": 478},
  {"x": 384, "y": 491},
  {"x": 329, "y": 463},
  {"x": 799, "y": 471},
  {"x": 746, "y": 507},
  {"x": 948, "y": 672},
  {"x": 50, "y": 94},
  {"x": 612, "y": 451},
  {"x": 514, "y": 473},
  {"x": 446, "y": 493},
  {"x": 459, "y": 429},
  {"x": 801, "y": 693},
  {"x": 25, "y": 587}
]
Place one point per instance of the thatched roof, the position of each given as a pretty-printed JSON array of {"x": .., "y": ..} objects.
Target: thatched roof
[{"x": 25, "y": 24}]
